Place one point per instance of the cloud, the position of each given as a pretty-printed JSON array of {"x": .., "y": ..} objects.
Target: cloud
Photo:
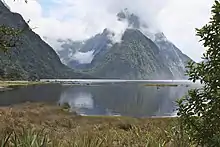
[
  {"x": 178, "y": 20},
  {"x": 81, "y": 19},
  {"x": 83, "y": 57}
]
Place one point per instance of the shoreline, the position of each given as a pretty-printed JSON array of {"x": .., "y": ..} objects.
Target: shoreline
[
  {"x": 10, "y": 85},
  {"x": 2, "y": 89}
]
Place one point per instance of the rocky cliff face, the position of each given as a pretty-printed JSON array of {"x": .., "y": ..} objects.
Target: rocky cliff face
[
  {"x": 32, "y": 58},
  {"x": 141, "y": 54}
]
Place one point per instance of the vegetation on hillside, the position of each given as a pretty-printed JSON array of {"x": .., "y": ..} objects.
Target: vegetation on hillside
[
  {"x": 8, "y": 37},
  {"x": 200, "y": 109}
]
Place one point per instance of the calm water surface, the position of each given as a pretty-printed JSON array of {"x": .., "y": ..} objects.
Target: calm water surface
[{"x": 132, "y": 99}]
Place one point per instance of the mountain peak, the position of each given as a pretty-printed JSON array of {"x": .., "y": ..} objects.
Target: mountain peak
[{"x": 132, "y": 19}]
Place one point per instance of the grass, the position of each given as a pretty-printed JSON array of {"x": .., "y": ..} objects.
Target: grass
[
  {"x": 38, "y": 125},
  {"x": 15, "y": 84}
]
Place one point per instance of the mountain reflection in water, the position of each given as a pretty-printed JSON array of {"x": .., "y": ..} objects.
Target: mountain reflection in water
[
  {"x": 133, "y": 99},
  {"x": 122, "y": 99}
]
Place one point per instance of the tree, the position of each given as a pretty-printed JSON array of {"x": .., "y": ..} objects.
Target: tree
[
  {"x": 9, "y": 37},
  {"x": 199, "y": 111},
  {"x": 13, "y": 74}
]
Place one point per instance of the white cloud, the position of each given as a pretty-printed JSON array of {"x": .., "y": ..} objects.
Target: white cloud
[
  {"x": 80, "y": 19},
  {"x": 178, "y": 20},
  {"x": 83, "y": 57}
]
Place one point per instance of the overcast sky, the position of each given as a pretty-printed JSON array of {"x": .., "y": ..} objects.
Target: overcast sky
[{"x": 80, "y": 19}]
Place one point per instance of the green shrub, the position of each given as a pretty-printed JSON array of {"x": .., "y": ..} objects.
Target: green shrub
[{"x": 200, "y": 109}]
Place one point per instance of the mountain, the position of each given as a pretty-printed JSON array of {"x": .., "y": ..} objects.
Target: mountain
[
  {"x": 169, "y": 54},
  {"x": 32, "y": 57},
  {"x": 141, "y": 54},
  {"x": 136, "y": 57},
  {"x": 95, "y": 45}
]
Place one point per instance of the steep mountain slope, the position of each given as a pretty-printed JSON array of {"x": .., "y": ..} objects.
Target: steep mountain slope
[
  {"x": 136, "y": 57},
  {"x": 142, "y": 54},
  {"x": 32, "y": 58},
  {"x": 171, "y": 55}
]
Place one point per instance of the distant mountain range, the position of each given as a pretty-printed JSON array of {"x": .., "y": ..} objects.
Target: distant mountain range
[{"x": 141, "y": 54}]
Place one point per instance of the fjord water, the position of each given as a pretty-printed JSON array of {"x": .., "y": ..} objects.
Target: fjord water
[{"x": 126, "y": 99}]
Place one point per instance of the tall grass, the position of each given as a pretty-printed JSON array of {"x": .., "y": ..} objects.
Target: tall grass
[
  {"x": 40, "y": 125},
  {"x": 133, "y": 137},
  {"x": 24, "y": 138}
]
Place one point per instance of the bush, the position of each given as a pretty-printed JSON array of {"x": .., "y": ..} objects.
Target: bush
[{"x": 200, "y": 109}]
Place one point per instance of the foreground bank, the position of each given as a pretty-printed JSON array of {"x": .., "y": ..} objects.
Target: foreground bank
[{"x": 39, "y": 124}]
